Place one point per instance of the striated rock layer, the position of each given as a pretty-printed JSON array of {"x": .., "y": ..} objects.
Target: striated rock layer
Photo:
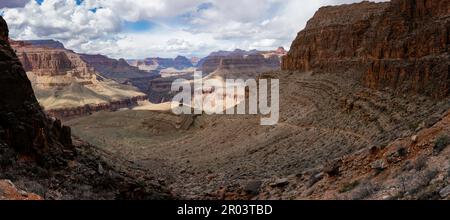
[
  {"x": 66, "y": 85},
  {"x": 402, "y": 44},
  {"x": 241, "y": 61},
  {"x": 115, "y": 69},
  {"x": 157, "y": 63}
]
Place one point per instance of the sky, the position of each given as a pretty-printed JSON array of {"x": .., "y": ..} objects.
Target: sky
[{"x": 136, "y": 29}]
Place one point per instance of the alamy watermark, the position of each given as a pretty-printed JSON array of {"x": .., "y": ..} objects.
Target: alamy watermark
[{"x": 230, "y": 96}]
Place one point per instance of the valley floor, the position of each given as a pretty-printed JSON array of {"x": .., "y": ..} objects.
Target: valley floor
[{"x": 330, "y": 143}]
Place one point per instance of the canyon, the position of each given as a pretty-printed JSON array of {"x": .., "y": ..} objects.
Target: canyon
[
  {"x": 364, "y": 114},
  {"x": 220, "y": 64},
  {"x": 157, "y": 63},
  {"x": 67, "y": 85},
  {"x": 348, "y": 129},
  {"x": 38, "y": 154}
]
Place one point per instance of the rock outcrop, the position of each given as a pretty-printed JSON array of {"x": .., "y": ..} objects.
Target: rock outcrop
[
  {"x": 118, "y": 70},
  {"x": 24, "y": 127},
  {"x": 240, "y": 61},
  {"x": 402, "y": 44},
  {"x": 45, "y": 61},
  {"x": 46, "y": 43}
]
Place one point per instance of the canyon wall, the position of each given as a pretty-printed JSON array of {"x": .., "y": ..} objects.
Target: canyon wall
[
  {"x": 46, "y": 43},
  {"x": 240, "y": 60},
  {"x": 24, "y": 127},
  {"x": 66, "y": 85},
  {"x": 157, "y": 63},
  {"x": 114, "y": 69},
  {"x": 402, "y": 44},
  {"x": 88, "y": 109}
]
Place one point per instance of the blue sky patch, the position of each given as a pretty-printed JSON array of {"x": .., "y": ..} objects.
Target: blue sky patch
[
  {"x": 79, "y": 2},
  {"x": 138, "y": 26},
  {"x": 205, "y": 6},
  {"x": 39, "y": 2}
]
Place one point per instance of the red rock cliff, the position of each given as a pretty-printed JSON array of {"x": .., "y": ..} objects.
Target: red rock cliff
[
  {"x": 402, "y": 44},
  {"x": 45, "y": 61}
]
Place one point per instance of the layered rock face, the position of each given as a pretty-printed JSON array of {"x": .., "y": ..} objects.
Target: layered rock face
[
  {"x": 402, "y": 44},
  {"x": 239, "y": 60},
  {"x": 66, "y": 85},
  {"x": 157, "y": 63},
  {"x": 53, "y": 62},
  {"x": 46, "y": 43},
  {"x": 114, "y": 69},
  {"x": 23, "y": 125}
]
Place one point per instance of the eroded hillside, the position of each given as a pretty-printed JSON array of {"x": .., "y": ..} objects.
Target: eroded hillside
[{"x": 364, "y": 113}]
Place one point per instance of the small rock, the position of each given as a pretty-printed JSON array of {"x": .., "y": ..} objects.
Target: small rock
[
  {"x": 315, "y": 178},
  {"x": 332, "y": 168},
  {"x": 100, "y": 169},
  {"x": 319, "y": 176},
  {"x": 280, "y": 183},
  {"x": 378, "y": 165},
  {"x": 386, "y": 197},
  {"x": 445, "y": 192},
  {"x": 253, "y": 187},
  {"x": 23, "y": 193},
  {"x": 414, "y": 139}
]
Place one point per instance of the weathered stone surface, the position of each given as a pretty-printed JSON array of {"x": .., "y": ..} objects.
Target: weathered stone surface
[
  {"x": 402, "y": 44},
  {"x": 445, "y": 192},
  {"x": 8, "y": 191},
  {"x": 26, "y": 128}
]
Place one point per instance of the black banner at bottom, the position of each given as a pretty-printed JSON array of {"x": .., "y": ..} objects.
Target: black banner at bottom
[{"x": 224, "y": 209}]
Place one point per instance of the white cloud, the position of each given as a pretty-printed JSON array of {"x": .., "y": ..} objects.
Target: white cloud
[{"x": 182, "y": 28}]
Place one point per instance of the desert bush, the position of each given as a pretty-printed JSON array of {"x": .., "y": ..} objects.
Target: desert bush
[
  {"x": 363, "y": 191},
  {"x": 441, "y": 143},
  {"x": 420, "y": 163},
  {"x": 347, "y": 187}
]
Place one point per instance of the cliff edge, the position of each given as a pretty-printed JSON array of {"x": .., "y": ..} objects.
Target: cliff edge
[{"x": 402, "y": 44}]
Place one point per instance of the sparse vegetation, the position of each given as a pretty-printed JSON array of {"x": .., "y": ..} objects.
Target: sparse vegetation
[
  {"x": 420, "y": 163},
  {"x": 363, "y": 191},
  {"x": 349, "y": 187},
  {"x": 441, "y": 143}
]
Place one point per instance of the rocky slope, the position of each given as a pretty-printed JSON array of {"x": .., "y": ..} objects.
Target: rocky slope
[
  {"x": 38, "y": 155},
  {"x": 402, "y": 44},
  {"x": 342, "y": 134},
  {"x": 66, "y": 85}
]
